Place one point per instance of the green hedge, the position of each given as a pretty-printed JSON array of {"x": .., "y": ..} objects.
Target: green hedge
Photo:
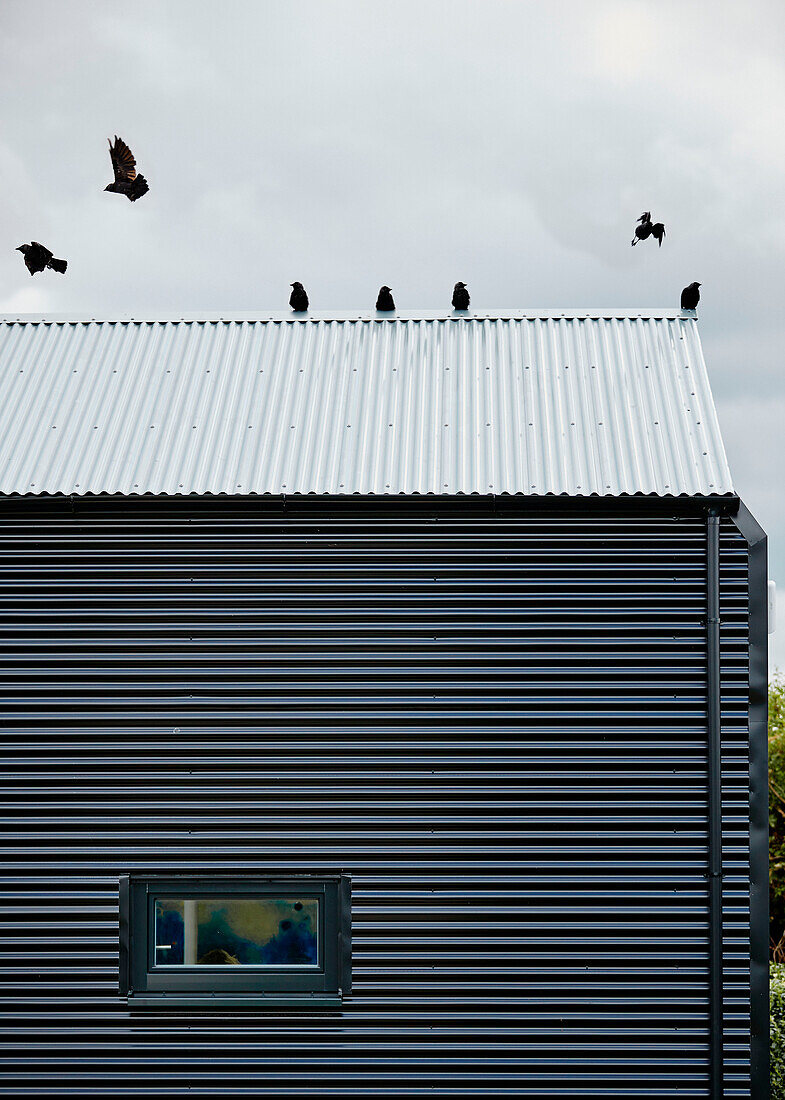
[
  {"x": 777, "y": 884},
  {"x": 777, "y": 1029},
  {"x": 777, "y": 819}
]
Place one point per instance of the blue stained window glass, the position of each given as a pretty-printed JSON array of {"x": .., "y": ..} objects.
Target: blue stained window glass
[{"x": 260, "y": 931}]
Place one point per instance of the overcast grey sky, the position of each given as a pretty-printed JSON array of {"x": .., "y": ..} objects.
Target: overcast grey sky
[{"x": 510, "y": 144}]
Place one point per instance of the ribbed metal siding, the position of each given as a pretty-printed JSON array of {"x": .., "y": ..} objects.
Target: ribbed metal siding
[
  {"x": 495, "y": 723},
  {"x": 734, "y": 635}
]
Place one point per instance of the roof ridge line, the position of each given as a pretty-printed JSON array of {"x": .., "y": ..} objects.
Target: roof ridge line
[{"x": 207, "y": 317}]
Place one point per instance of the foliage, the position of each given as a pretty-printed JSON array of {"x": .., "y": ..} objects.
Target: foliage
[
  {"x": 777, "y": 819},
  {"x": 777, "y": 1029}
]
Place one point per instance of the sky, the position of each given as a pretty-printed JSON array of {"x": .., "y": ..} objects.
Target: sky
[{"x": 511, "y": 144}]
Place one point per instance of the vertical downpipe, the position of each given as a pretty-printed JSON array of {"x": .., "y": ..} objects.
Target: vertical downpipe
[{"x": 714, "y": 723}]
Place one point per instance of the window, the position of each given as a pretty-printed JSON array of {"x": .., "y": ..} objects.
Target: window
[{"x": 229, "y": 942}]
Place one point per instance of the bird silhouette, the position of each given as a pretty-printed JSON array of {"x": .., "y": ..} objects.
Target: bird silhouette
[
  {"x": 298, "y": 299},
  {"x": 460, "y": 296},
  {"x": 642, "y": 231},
  {"x": 37, "y": 258},
  {"x": 126, "y": 180},
  {"x": 690, "y": 296},
  {"x": 385, "y": 303},
  {"x": 658, "y": 232}
]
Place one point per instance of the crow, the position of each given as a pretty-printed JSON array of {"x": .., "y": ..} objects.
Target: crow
[
  {"x": 385, "y": 303},
  {"x": 126, "y": 181},
  {"x": 37, "y": 258},
  {"x": 643, "y": 230},
  {"x": 299, "y": 299},
  {"x": 690, "y": 296},
  {"x": 658, "y": 232},
  {"x": 460, "y": 296}
]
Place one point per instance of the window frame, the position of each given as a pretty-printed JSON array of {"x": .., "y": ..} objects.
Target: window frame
[{"x": 304, "y": 986}]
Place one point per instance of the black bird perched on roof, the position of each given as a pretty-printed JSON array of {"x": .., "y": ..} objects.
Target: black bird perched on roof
[
  {"x": 460, "y": 296},
  {"x": 642, "y": 231},
  {"x": 298, "y": 299},
  {"x": 126, "y": 181},
  {"x": 385, "y": 303},
  {"x": 690, "y": 296},
  {"x": 37, "y": 258},
  {"x": 658, "y": 232}
]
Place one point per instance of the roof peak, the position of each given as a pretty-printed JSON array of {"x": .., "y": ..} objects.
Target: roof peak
[{"x": 208, "y": 317}]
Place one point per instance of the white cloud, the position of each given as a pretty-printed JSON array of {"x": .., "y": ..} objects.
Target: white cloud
[
  {"x": 29, "y": 299},
  {"x": 624, "y": 42}
]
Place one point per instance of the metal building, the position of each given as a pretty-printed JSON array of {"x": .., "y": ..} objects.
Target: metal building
[{"x": 449, "y": 631}]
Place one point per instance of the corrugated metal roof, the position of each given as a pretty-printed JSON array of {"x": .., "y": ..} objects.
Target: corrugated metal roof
[{"x": 571, "y": 403}]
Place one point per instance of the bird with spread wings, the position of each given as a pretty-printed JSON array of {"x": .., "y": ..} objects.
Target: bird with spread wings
[
  {"x": 37, "y": 257},
  {"x": 126, "y": 180}
]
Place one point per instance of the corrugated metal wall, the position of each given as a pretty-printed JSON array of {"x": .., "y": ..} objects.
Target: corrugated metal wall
[
  {"x": 495, "y": 722},
  {"x": 734, "y": 634}
]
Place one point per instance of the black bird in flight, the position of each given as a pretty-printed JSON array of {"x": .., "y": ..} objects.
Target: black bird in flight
[
  {"x": 126, "y": 180},
  {"x": 298, "y": 299},
  {"x": 642, "y": 231},
  {"x": 690, "y": 296},
  {"x": 385, "y": 303},
  {"x": 37, "y": 258},
  {"x": 658, "y": 232},
  {"x": 460, "y": 296}
]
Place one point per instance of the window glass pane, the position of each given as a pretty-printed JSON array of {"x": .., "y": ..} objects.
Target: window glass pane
[{"x": 261, "y": 931}]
